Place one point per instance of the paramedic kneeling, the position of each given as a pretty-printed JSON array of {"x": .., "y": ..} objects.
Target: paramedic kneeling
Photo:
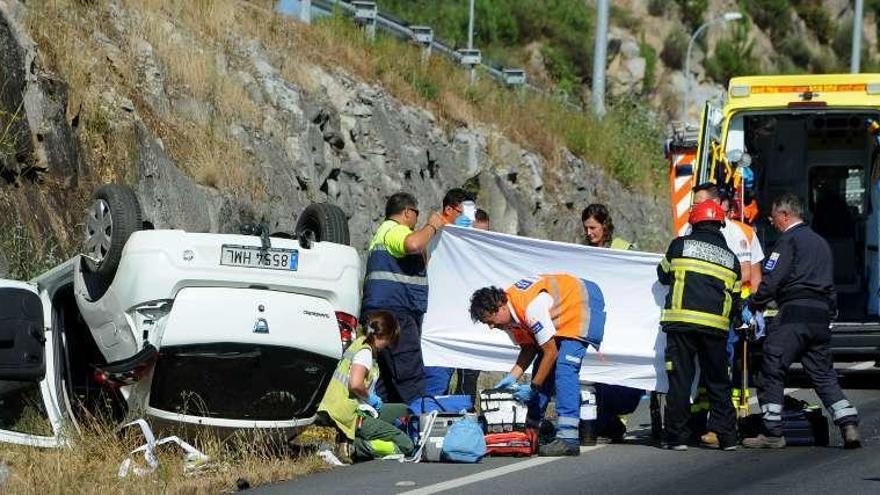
[
  {"x": 350, "y": 392},
  {"x": 553, "y": 318},
  {"x": 799, "y": 276}
]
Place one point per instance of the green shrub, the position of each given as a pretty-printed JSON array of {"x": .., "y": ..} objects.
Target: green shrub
[
  {"x": 623, "y": 17},
  {"x": 674, "y": 50},
  {"x": 816, "y": 18},
  {"x": 795, "y": 49},
  {"x": 842, "y": 44},
  {"x": 773, "y": 16},
  {"x": 501, "y": 26},
  {"x": 733, "y": 57},
  {"x": 647, "y": 52},
  {"x": 692, "y": 11},
  {"x": 658, "y": 8},
  {"x": 560, "y": 69},
  {"x": 426, "y": 87}
]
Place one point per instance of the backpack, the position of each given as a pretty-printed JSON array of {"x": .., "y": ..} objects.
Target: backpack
[{"x": 464, "y": 441}]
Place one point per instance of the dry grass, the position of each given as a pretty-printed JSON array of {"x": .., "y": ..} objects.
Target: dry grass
[
  {"x": 195, "y": 44},
  {"x": 90, "y": 464}
]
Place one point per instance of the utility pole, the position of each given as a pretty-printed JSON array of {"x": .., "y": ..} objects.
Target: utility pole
[
  {"x": 856, "y": 56},
  {"x": 600, "y": 55},
  {"x": 472, "y": 74}
]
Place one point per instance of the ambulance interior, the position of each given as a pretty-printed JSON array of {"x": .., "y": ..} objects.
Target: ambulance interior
[{"x": 829, "y": 159}]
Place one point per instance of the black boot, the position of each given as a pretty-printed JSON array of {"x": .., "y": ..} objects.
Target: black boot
[
  {"x": 587, "y": 432},
  {"x": 850, "y": 434}
]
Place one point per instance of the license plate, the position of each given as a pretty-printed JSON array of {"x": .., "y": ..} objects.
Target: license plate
[{"x": 254, "y": 257}]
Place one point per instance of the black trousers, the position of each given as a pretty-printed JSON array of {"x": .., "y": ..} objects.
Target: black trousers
[
  {"x": 682, "y": 345},
  {"x": 467, "y": 382},
  {"x": 800, "y": 332},
  {"x": 401, "y": 369}
]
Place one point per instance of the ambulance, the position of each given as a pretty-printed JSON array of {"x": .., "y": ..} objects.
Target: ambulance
[{"x": 819, "y": 137}]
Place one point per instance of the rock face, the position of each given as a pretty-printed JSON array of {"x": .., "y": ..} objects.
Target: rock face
[
  {"x": 36, "y": 105},
  {"x": 626, "y": 71},
  {"x": 342, "y": 141}
]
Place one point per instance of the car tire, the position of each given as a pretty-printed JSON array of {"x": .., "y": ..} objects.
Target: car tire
[
  {"x": 325, "y": 222},
  {"x": 110, "y": 220}
]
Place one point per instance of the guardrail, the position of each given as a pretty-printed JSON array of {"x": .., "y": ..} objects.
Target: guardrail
[{"x": 510, "y": 77}]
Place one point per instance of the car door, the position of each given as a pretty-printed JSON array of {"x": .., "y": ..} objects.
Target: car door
[{"x": 28, "y": 413}]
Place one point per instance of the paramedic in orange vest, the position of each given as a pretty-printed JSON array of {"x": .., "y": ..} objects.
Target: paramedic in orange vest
[{"x": 553, "y": 318}]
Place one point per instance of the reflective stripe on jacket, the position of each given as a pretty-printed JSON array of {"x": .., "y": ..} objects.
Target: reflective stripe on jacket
[
  {"x": 704, "y": 279},
  {"x": 338, "y": 401},
  {"x": 578, "y": 310},
  {"x": 394, "y": 282},
  {"x": 622, "y": 244}
]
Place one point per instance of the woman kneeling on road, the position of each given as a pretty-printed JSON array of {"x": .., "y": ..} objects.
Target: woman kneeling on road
[{"x": 360, "y": 415}]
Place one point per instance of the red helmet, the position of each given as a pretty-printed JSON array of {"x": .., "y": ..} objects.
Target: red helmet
[{"x": 707, "y": 211}]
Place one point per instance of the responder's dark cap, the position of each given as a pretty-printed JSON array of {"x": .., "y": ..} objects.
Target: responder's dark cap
[{"x": 714, "y": 189}]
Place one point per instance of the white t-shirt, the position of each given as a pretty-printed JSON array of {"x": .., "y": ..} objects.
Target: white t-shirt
[
  {"x": 538, "y": 318},
  {"x": 745, "y": 251},
  {"x": 364, "y": 357}
]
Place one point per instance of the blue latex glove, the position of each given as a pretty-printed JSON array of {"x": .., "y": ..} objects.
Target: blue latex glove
[
  {"x": 748, "y": 177},
  {"x": 760, "y": 326},
  {"x": 509, "y": 381},
  {"x": 374, "y": 401},
  {"x": 463, "y": 221},
  {"x": 747, "y": 315},
  {"x": 524, "y": 393}
]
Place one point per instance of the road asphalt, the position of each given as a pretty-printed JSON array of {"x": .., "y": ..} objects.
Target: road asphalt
[{"x": 636, "y": 467}]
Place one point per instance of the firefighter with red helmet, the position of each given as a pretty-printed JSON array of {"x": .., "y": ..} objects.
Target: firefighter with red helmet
[{"x": 704, "y": 281}]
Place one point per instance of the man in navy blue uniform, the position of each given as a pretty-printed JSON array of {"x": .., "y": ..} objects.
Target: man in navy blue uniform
[{"x": 799, "y": 275}]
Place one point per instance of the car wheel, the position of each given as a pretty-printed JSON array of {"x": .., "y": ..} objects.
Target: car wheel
[
  {"x": 112, "y": 217},
  {"x": 324, "y": 222}
]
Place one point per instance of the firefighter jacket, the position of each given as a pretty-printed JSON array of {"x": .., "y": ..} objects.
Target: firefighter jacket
[
  {"x": 704, "y": 279},
  {"x": 799, "y": 269}
]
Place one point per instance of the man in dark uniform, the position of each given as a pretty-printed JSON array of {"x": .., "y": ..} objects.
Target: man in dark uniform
[
  {"x": 799, "y": 275},
  {"x": 705, "y": 281}
]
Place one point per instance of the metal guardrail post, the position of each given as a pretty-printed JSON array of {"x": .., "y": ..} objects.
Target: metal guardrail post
[
  {"x": 514, "y": 77},
  {"x": 365, "y": 13},
  {"x": 305, "y": 11},
  {"x": 470, "y": 58},
  {"x": 424, "y": 37}
]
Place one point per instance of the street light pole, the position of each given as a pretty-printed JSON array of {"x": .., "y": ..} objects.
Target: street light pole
[
  {"x": 600, "y": 55},
  {"x": 472, "y": 74},
  {"x": 726, "y": 17},
  {"x": 855, "y": 58}
]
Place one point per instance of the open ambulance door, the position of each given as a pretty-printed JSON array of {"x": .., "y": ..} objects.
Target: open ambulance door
[
  {"x": 709, "y": 143},
  {"x": 28, "y": 414},
  {"x": 872, "y": 238}
]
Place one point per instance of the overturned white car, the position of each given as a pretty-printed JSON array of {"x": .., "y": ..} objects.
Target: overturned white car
[{"x": 229, "y": 331}]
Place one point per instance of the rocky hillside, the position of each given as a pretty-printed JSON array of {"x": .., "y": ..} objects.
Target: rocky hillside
[{"x": 222, "y": 112}]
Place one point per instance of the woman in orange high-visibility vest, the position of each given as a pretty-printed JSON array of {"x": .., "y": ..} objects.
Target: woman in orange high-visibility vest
[{"x": 553, "y": 318}]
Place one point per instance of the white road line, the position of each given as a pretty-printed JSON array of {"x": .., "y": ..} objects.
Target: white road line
[{"x": 489, "y": 474}]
